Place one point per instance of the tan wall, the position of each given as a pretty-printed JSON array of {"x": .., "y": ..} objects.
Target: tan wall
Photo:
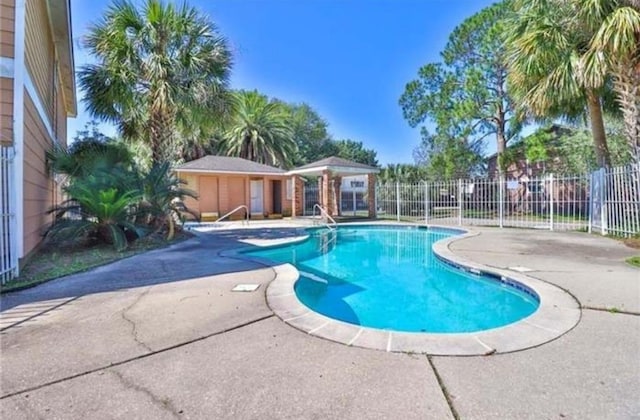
[
  {"x": 208, "y": 196},
  {"x": 223, "y": 192},
  {"x": 7, "y": 27},
  {"x": 192, "y": 184},
  {"x": 40, "y": 54},
  {"x": 39, "y": 192},
  {"x": 6, "y": 110}
]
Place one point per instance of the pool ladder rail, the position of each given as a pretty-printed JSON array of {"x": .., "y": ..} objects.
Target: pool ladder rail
[
  {"x": 329, "y": 222},
  {"x": 246, "y": 213}
]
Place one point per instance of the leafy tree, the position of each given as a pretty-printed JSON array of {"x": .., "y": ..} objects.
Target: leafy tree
[
  {"x": 613, "y": 52},
  {"x": 466, "y": 95},
  {"x": 310, "y": 134},
  {"x": 161, "y": 73},
  {"x": 546, "y": 43},
  {"x": 448, "y": 158},
  {"x": 356, "y": 152},
  {"x": 259, "y": 130},
  {"x": 565, "y": 149},
  {"x": 90, "y": 153}
]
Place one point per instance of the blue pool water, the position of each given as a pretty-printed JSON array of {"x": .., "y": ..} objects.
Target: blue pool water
[{"x": 389, "y": 278}]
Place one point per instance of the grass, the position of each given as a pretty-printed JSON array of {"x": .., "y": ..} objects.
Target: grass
[
  {"x": 634, "y": 261},
  {"x": 61, "y": 259}
]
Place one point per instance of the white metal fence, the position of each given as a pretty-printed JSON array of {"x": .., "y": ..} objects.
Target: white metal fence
[
  {"x": 606, "y": 201},
  {"x": 8, "y": 252}
]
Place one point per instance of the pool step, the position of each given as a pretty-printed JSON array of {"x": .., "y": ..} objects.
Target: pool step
[{"x": 314, "y": 277}]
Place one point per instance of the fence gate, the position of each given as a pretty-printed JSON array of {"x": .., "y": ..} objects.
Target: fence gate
[
  {"x": 8, "y": 252},
  {"x": 311, "y": 198}
]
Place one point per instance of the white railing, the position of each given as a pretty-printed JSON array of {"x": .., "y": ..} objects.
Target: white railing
[
  {"x": 237, "y": 209},
  {"x": 606, "y": 201},
  {"x": 8, "y": 244},
  {"x": 246, "y": 214},
  {"x": 329, "y": 221}
]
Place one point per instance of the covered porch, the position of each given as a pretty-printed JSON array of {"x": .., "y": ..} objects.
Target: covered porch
[{"x": 328, "y": 173}]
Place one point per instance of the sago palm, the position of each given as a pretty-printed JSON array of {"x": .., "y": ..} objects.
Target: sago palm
[
  {"x": 93, "y": 210},
  {"x": 259, "y": 130},
  {"x": 162, "y": 193},
  {"x": 614, "y": 51},
  {"x": 161, "y": 73},
  {"x": 545, "y": 45}
]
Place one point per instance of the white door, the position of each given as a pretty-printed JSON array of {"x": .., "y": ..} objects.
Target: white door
[{"x": 257, "y": 199}]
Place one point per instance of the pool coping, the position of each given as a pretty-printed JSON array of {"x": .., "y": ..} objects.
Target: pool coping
[{"x": 558, "y": 311}]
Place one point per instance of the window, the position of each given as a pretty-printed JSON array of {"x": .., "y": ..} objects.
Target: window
[{"x": 289, "y": 187}]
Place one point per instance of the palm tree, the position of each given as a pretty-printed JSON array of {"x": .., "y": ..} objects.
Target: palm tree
[
  {"x": 162, "y": 72},
  {"x": 545, "y": 45},
  {"x": 615, "y": 51},
  {"x": 259, "y": 130}
]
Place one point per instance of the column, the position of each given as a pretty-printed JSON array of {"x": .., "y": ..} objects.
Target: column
[{"x": 371, "y": 187}]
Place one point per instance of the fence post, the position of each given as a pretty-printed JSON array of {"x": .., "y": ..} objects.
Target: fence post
[
  {"x": 398, "y": 201},
  {"x": 551, "y": 202},
  {"x": 426, "y": 203},
  {"x": 460, "y": 195},
  {"x": 501, "y": 201},
  {"x": 590, "y": 226},
  {"x": 603, "y": 202}
]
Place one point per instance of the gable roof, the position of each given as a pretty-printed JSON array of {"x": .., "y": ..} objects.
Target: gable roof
[
  {"x": 226, "y": 164},
  {"x": 337, "y": 164}
]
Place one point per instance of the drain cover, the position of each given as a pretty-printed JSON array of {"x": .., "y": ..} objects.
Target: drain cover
[
  {"x": 520, "y": 269},
  {"x": 245, "y": 288}
]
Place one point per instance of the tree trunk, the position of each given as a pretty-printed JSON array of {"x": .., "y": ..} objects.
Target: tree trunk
[
  {"x": 626, "y": 84},
  {"x": 597, "y": 130},
  {"x": 172, "y": 229}
]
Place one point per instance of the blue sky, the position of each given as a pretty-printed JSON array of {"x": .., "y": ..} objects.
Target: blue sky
[{"x": 348, "y": 59}]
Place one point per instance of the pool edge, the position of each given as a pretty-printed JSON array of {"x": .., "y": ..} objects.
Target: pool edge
[{"x": 558, "y": 312}]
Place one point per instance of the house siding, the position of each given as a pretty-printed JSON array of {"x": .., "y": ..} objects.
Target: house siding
[
  {"x": 6, "y": 111},
  {"x": 39, "y": 187},
  {"x": 40, "y": 53},
  {"x": 7, "y": 27}
]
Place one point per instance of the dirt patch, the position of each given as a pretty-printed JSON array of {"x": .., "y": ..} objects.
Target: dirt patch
[{"x": 633, "y": 242}]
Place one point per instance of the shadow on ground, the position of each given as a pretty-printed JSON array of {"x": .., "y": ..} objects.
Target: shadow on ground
[{"x": 194, "y": 258}]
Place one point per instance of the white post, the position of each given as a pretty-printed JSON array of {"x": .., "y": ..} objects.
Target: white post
[
  {"x": 426, "y": 203},
  {"x": 460, "y": 196},
  {"x": 590, "y": 202},
  {"x": 551, "y": 202},
  {"x": 397, "y": 201},
  {"x": 501, "y": 200},
  {"x": 19, "y": 70},
  {"x": 603, "y": 202}
]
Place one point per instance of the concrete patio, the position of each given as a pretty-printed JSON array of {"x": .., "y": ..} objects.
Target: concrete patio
[{"x": 161, "y": 335}]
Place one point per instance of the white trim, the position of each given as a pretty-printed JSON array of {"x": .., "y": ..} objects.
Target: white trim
[
  {"x": 205, "y": 171},
  {"x": 18, "y": 120},
  {"x": 33, "y": 94},
  {"x": 6, "y": 67},
  {"x": 337, "y": 169}
]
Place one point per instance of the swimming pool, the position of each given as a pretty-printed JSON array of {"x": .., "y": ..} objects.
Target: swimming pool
[{"x": 387, "y": 277}]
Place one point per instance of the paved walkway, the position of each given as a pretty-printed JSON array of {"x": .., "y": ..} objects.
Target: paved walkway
[{"x": 160, "y": 335}]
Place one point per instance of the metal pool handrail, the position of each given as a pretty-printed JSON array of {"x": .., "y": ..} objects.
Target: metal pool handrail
[
  {"x": 324, "y": 213},
  {"x": 246, "y": 219}
]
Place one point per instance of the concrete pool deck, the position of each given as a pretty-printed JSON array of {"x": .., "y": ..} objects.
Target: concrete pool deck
[{"x": 160, "y": 335}]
